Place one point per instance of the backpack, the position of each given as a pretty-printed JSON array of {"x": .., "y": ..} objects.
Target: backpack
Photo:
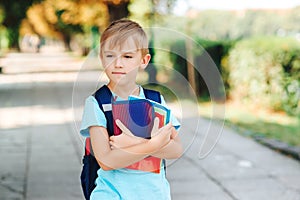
[{"x": 90, "y": 165}]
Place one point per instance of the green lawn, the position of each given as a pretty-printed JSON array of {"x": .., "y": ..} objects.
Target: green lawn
[{"x": 259, "y": 122}]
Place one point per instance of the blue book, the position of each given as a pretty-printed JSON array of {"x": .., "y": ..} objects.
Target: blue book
[
  {"x": 161, "y": 112},
  {"x": 137, "y": 115}
]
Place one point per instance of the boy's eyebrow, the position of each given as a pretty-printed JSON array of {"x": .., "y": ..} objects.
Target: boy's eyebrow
[
  {"x": 108, "y": 51},
  {"x": 129, "y": 51}
]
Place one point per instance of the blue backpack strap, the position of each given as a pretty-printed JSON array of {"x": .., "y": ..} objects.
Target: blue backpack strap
[
  {"x": 153, "y": 95},
  {"x": 104, "y": 97}
]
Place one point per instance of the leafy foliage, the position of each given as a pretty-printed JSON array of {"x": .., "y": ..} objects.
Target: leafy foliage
[
  {"x": 61, "y": 19},
  {"x": 265, "y": 71}
]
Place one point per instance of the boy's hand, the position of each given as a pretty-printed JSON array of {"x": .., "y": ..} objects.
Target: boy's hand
[
  {"x": 125, "y": 139},
  {"x": 160, "y": 136}
]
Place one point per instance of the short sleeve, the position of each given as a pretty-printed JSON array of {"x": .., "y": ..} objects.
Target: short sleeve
[
  {"x": 173, "y": 119},
  {"x": 92, "y": 116}
]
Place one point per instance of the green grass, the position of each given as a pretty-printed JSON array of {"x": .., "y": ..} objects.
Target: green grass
[{"x": 259, "y": 122}]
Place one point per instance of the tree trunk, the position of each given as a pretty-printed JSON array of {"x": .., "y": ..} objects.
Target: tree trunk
[
  {"x": 118, "y": 11},
  {"x": 67, "y": 40},
  {"x": 13, "y": 38}
]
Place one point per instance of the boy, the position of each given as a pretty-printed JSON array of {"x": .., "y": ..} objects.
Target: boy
[{"x": 124, "y": 50}]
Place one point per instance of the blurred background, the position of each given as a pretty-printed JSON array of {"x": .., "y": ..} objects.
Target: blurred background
[{"x": 254, "y": 44}]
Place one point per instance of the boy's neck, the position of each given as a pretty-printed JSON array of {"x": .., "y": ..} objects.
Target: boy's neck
[{"x": 124, "y": 91}]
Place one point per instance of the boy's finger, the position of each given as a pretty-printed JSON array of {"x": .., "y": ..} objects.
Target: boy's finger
[
  {"x": 166, "y": 127},
  {"x": 123, "y": 128},
  {"x": 155, "y": 126},
  {"x": 156, "y": 123},
  {"x": 111, "y": 138}
]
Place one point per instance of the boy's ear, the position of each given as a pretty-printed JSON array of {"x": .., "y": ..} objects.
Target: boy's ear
[{"x": 145, "y": 61}]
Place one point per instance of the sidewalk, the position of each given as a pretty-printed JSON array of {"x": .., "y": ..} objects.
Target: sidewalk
[{"x": 40, "y": 149}]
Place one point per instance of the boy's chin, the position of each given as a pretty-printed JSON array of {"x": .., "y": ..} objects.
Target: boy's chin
[{"x": 122, "y": 82}]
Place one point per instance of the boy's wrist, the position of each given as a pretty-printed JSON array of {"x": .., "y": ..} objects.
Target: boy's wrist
[
  {"x": 155, "y": 146},
  {"x": 151, "y": 146}
]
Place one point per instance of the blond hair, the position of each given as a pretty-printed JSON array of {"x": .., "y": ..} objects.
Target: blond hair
[{"x": 119, "y": 31}]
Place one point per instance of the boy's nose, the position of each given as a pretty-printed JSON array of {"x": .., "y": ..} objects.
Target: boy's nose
[{"x": 119, "y": 62}]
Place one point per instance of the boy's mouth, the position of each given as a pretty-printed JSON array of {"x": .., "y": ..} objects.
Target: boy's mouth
[{"x": 118, "y": 73}]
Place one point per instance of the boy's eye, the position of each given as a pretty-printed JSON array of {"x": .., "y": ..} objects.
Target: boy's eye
[
  {"x": 109, "y": 56},
  {"x": 127, "y": 56}
]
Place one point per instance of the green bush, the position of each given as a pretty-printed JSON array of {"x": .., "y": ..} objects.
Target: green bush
[{"x": 265, "y": 71}]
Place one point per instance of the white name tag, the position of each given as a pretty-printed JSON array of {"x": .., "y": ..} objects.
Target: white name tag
[{"x": 106, "y": 107}]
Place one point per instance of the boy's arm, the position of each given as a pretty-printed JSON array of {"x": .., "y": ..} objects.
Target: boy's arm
[
  {"x": 170, "y": 151},
  {"x": 116, "y": 158}
]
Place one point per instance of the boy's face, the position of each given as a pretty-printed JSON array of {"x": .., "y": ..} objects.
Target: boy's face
[{"x": 122, "y": 62}]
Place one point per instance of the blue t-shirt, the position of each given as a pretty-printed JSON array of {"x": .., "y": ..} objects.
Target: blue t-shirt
[{"x": 124, "y": 184}]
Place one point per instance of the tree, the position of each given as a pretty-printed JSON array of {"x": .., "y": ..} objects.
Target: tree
[
  {"x": 59, "y": 18},
  {"x": 14, "y": 13},
  {"x": 62, "y": 19},
  {"x": 146, "y": 13}
]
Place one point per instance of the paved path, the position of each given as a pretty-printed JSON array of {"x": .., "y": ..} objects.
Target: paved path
[{"x": 40, "y": 150}]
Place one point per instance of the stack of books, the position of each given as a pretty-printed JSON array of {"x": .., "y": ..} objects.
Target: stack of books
[{"x": 138, "y": 116}]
